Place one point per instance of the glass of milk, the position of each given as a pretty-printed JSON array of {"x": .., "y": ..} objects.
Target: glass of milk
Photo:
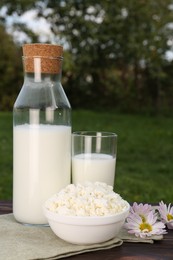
[{"x": 94, "y": 157}]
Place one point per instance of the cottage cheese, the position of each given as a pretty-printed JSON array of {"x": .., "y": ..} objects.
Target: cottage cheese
[{"x": 89, "y": 199}]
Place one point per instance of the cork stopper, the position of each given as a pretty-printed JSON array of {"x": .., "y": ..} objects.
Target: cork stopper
[{"x": 45, "y": 58}]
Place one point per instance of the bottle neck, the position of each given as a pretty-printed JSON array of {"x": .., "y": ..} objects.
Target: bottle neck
[{"x": 41, "y": 77}]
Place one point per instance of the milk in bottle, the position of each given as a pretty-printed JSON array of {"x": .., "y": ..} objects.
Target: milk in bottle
[{"x": 41, "y": 133}]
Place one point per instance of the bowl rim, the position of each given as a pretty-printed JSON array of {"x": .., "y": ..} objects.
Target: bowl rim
[{"x": 86, "y": 220}]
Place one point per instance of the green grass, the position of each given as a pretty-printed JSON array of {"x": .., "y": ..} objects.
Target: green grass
[
  {"x": 6, "y": 155},
  {"x": 144, "y": 170}
]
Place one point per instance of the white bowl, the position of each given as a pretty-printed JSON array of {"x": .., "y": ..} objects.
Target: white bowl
[{"x": 86, "y": 230}]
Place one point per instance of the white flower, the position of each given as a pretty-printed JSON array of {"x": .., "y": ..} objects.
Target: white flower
[
  {"x": 166, "y": 213},
  {"x": 143, "y": 222},
  {"x": 141, "y": 209},
  {"x": 142, "y": 229}
]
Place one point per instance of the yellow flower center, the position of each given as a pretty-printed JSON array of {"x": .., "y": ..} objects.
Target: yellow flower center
[
  {"x": 169, "y": 217},
  {"x": 145, "y": 227}
]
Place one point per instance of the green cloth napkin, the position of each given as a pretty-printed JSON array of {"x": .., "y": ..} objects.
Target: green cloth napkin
[{"x": 20, "y": 242}]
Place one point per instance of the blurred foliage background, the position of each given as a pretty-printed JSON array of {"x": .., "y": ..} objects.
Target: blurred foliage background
[
  {"x": 117, "y": 54},
  {"x": 117, "y": 70}
]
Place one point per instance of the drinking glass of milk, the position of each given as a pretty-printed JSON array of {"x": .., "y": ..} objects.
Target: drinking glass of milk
[{"x": 93, "y": 157}]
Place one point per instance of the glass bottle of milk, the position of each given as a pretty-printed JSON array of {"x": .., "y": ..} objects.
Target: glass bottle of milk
[{"x": 41, "y": 133}]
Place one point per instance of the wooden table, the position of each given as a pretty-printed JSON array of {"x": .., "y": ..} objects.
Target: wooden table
[{"x": 160, "y": 250}]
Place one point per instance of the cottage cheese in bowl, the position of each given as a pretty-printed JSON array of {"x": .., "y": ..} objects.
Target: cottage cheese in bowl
[
  {"x": 89, "y": 199},
  {"x": 86, "y": 213}
]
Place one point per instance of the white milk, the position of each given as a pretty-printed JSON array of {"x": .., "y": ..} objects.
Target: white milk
[
  {"x": 93, "y": 167},
  {"x": 41, "y": 168}
]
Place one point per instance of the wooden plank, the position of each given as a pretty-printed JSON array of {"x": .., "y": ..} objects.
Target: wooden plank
[{"x": 5, "y": 207}]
